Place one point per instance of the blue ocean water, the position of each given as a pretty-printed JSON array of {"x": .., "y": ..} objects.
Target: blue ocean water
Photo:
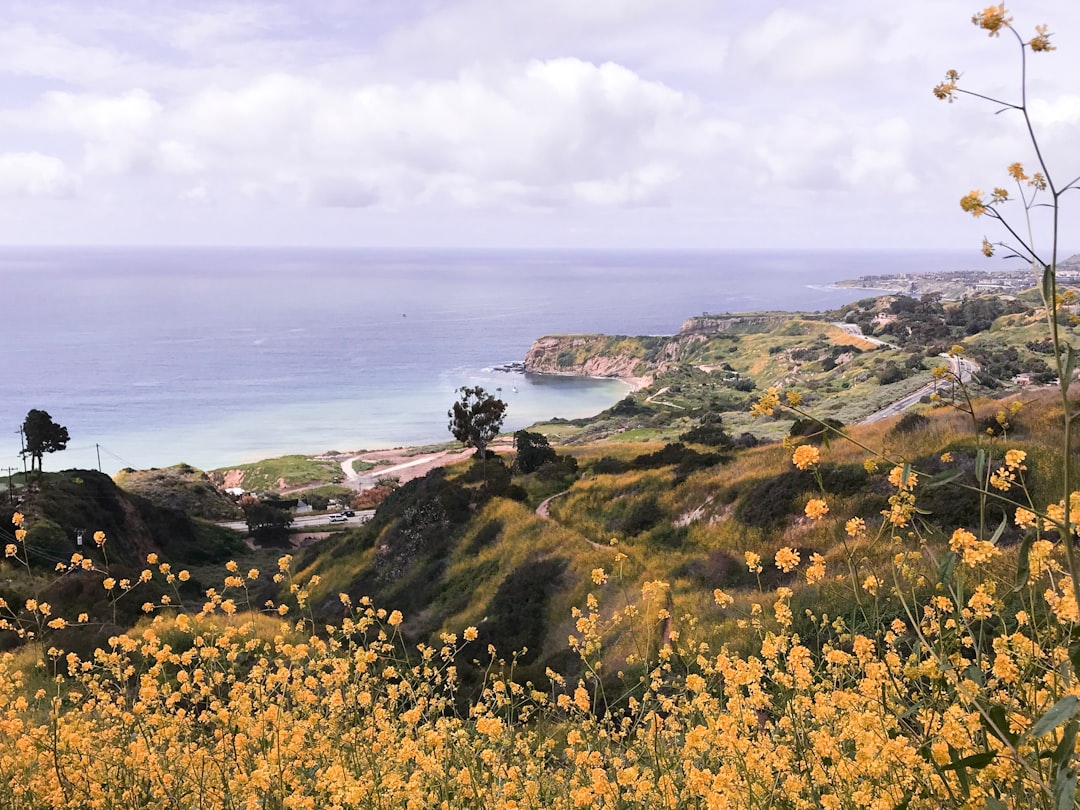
[{"x": 219, "y": 356}]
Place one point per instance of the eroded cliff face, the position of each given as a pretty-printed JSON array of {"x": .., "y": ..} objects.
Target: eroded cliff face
[
  {"x": 584, "y": 355},
  {"x": 630, "y": 358}
]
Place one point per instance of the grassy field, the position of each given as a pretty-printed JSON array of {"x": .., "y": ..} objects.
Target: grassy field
[{"x": 283, "y": 473}]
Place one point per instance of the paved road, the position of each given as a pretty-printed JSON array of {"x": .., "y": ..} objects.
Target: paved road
[
  {"x": 310, "y": 521},
  {"x": 855, "y": 330},
  {"x": 961, "y": 369}
]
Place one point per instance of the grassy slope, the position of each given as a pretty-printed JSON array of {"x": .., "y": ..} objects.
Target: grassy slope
[
  {"x": 691, "y": 532},
  {"x": 283, "y": 473}
]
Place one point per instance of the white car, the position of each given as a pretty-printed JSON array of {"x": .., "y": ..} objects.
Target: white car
[{"x": 338, "y": 519}]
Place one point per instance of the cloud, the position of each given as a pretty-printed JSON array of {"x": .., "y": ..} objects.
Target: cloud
[
  {"x": 792, "y": 46},
  {"x": 32, "y": 174},
  {"x": 547, "y": 130}
]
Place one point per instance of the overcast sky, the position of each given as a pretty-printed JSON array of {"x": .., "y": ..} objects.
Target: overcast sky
[{"x": 539, "y": 123}]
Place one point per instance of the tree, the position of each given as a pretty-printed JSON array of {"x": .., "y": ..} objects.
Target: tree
[
  {"x": 269, "y": 524},
  {"x": 533, "y": 451},
  {"x": 42, "y": 435},
  {"x": 476, "y": 418}
]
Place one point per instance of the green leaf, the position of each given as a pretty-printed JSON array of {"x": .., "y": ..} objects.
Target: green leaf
[
  {"x": 1000, "y": 530},
  {"x": 1023, "y": 570},
  {"x": 996, "y": 722},
  {"x": 980, "y": 465},
  {"x": 945, "y": 568},
  {"x": 1064, "y": 709},
  {"x": 1070, "y": 361},
  {"x": 1048, "y": 285},
  {"x": 1064, "y": 789},
  {"x": 975, "y": 762},
  {"x": 994, "y": 803},
  {"x": 1074, "y": 657},
  {"x": 1064, "y": 751},
  {"x": 942, "y": 478}
]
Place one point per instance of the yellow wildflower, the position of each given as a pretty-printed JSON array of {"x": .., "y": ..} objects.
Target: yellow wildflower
[
  {"x": 992, "y": 19},
  {"x": 946, "y": 458},
  {"x": 768, "y": 403},
  {"x": 816, "y": 508},
  {"x": 395, "y": 618},
  {"x": 972, "y": 202},
  {"x": 599, "y": 576},
  {"x": 805, "y": 456},
  {"x": 1014, "y": 459},
  {"x": 99, "y": 538},
  {"x": 470, "y": 633},
  {"x": 753, "y": 562},
  {"x": 902, "y": 481},
  {"x": 1016, "y": 171},
  {"x": 815, "y": 572},
  {"x": 945, "y": 91},
  {"x": 786, "y": 559},
  {"x": 1041, "y": 40},
  {"x": 1003, "y": 479},
  {"x": 855, "y": 527},
  {"x": 972, "y": 550}
]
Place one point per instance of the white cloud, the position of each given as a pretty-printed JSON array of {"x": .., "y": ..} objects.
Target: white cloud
[
  {"x": 32, "y": 174},
  {"x": 794, "y": 46},
  {"x": 561, "y": 115}
]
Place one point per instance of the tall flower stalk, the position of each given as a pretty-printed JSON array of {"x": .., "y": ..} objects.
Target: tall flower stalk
[{"x": 1035, "y": 190}]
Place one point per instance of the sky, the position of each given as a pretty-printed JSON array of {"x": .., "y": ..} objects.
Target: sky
[{"x": 520, "y": 123}]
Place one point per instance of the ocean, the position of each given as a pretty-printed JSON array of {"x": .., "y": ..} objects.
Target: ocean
[{"x": 155, "y": 356}]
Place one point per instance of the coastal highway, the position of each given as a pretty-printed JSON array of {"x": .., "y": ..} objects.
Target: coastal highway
[
  {"x": 961, "y": 369},
  {"x": 310, "y": 521}
]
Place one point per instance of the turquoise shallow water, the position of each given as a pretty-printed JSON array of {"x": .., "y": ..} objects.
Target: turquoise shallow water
[{"x": 213, "y": 357}]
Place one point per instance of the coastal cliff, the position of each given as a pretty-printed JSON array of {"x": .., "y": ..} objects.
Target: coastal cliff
[
  {"x": 593, "y": 355},
  {"x": 642, "y": 357}
]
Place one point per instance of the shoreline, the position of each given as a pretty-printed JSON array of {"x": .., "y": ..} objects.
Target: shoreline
[{"x": 411, "y": 457}]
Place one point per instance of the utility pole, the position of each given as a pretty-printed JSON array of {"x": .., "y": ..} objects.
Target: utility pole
[
  {"x": 22, "y": 444},
  {"x": 98, "y": 448},
  {"x": 11, "y": 483}
]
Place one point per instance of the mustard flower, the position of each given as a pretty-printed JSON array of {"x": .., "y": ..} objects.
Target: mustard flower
[
  {"x": 1002, "y": 479},
  {"x": 972, "y": 202},
  {"x": 1014, "y": 459},
  {"x": 992, "y": 19},
  {"x": 816, "y": 508},
  {"x": 901, "y": 481},
  {"x": 722, "y": 599},
  {"x": 786, "y": 559},
  {"x": 768, "y": 403},
  {"x": 815, "y": 572},
  {"x": 1041, "y": 40},
  {"x": 753, "y": 562},
  {"x": 805, "y": 456}
]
